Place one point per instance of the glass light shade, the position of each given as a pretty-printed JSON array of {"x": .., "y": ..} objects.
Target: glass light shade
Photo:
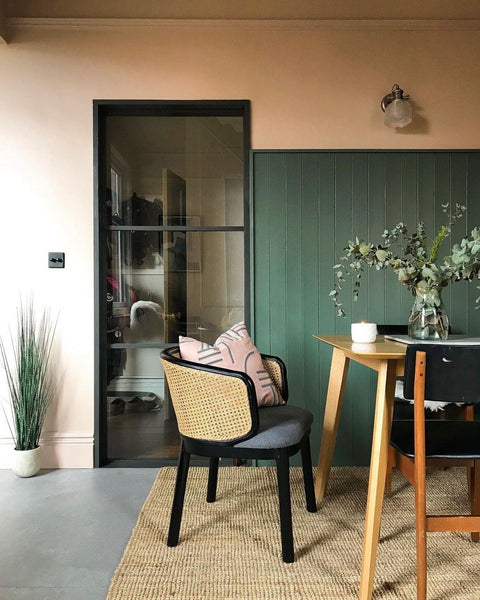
[{"x": 398, "y": 113}]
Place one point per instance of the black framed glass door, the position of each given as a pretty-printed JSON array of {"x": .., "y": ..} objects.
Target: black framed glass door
[{"x": 171, "y": 248}]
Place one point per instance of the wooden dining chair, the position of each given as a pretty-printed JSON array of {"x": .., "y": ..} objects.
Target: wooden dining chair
[
  {"x": 218, "y": 416},
  {"x": 442, "y": 372},
  {"x": 403, "y": 409}
]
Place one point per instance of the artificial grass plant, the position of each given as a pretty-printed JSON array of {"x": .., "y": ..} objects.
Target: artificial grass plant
[{"x": 28, "y": 373}]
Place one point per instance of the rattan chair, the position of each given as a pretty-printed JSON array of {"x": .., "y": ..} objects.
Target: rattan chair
[
  {"x": 217, "y": 416},
  {"x": 440, "y": 372}
]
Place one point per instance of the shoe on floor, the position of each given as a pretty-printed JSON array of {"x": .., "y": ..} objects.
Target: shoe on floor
[
  {"x": 153, "y": 401},
  {"x": 116, "y": 406},
  {"x": 136, "y": 404}
]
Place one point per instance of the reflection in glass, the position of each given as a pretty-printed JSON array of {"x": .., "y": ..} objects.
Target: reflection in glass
[
  {"x": 162, "y": 172},
  {"x": 148, "y": 156},
  {"x": 136, "y": 401},
  {"x": 194, "y": 288}
]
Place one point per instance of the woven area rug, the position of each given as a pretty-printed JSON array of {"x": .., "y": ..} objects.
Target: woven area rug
[{"x": 230, "y": 550}]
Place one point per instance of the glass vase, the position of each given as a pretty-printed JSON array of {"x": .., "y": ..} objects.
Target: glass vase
[{"x": 428, "y": 319}]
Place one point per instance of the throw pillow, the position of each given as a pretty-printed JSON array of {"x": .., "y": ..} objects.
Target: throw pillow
[{"x": 234, "y": 350}]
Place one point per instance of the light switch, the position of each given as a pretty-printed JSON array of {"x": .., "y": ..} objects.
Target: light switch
[{"x": 56, "y": 260}]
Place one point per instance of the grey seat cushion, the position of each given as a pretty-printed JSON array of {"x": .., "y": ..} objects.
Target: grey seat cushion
[{"x": 279, "y": 427}]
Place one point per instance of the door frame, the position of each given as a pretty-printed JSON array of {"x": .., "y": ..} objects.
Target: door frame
[{"x": 164, "y": 108}]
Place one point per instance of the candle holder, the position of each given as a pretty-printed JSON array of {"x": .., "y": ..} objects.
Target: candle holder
[{"x": 364, "y": 333}]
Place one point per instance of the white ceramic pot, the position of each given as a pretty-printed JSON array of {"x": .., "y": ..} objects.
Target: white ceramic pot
[{"x": 26, "y": 463}]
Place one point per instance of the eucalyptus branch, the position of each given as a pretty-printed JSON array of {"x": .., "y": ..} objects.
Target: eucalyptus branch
[{"x": 410, "y": 262}]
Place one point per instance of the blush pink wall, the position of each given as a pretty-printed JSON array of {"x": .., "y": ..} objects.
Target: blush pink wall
[{"x": 308, "y": 89}]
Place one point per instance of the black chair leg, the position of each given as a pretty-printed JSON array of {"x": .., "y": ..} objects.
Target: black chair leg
[
  {"x": 212, "y": 479},
  {"x": 283, "y": 476},
  {"x": 308, "y": 475},
  {"x": 178, "y": 497}
]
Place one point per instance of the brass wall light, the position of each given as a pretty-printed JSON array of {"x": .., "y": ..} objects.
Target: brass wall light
[{"x": 397, "y": 108}]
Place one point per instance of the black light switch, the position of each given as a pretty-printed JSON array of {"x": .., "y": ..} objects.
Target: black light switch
[{"x": 56, "y": 260}]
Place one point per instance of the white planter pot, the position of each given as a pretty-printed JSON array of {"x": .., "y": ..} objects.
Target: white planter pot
[{"x": 26, "y": 463}]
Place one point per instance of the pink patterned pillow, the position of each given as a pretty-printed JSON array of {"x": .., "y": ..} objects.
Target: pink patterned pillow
[{"x": 234, "y": 350}]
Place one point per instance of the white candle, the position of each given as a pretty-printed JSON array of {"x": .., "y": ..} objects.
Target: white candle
[{"x": 364, "y": 333}]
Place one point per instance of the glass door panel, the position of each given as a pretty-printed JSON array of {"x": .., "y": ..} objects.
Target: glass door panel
[
  {"x": 197, "y": 290},
  {"x": 152, "y": 155},
  {"x": 174, "y": 241},
  {"x": 141, "y": 420}
]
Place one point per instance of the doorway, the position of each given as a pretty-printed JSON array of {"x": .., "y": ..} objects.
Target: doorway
[{"x": 171, "y": 248}]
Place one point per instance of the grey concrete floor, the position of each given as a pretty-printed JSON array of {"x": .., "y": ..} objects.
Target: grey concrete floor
[{"x": 63, "y": 532}]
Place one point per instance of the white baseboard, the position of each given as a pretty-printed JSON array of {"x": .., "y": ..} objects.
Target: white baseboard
[{"x": 58, "y": 451}]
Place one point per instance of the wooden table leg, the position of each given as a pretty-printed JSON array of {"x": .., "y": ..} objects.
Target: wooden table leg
[
  {"x": 378, "y": 469},
  {"x": 333, "y": 408}
]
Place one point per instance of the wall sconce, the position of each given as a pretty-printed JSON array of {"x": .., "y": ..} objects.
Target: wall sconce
[{"x": 397, "y": 108}]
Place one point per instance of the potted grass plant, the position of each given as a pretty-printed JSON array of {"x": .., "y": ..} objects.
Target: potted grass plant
[{"x": 30, "y": 384}]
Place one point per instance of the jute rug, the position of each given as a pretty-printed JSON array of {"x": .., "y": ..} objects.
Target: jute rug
[{"x": 230, "y": 550}]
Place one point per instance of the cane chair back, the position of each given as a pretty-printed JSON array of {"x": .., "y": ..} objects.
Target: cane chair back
[
  {"x": 276, "y": 370},
  {"x": 210, "y": 404}
]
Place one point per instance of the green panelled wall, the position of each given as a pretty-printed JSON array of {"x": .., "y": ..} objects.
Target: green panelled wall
[{"x": 305, "y": 207}]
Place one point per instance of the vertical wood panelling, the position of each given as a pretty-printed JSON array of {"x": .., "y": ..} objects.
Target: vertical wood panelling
[
  {"x": 426, "y": 192},
  {"x": 310, "y": 258},
  {"x": 473, "y": 203},
  {"x": 360, "y": 377},
  {"x": 294, "y": 241},
  {"x": 376, "y": 226},
  {"x": 393, "y": 215},
  {"x": 344, "y": 232},
  {"x": 261, "y": 250},
  {"x": 306, "y": 207},
  {"x": 409, "y": 212},
  {"x": 451, "y": 187},
  {"x": 278, "y": 277},
  {"x": 325, "y": 245}
]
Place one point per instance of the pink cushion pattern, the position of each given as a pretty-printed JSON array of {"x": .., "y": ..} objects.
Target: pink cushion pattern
[{"x": 234, "y": 350}]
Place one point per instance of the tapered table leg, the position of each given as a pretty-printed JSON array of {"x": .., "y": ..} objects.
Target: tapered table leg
[
  {"x": 333, "y": 408},
  {"x": 378, "y": 468}
]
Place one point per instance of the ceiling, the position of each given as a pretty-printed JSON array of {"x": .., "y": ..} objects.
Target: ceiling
[{"x": 246, "y": 9}]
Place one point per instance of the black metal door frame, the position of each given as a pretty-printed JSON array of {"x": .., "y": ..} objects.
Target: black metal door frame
[{"x": 164, "y": 108}]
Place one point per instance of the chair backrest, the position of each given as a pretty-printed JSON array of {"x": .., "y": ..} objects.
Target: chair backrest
[
  {"x": 397, "y": 329},
  {"x": 210, "y": 404},
  {"x": 392, "y": 329},
  {"x": 452, "y": 372},
  {"x": 275, "y": 367}
]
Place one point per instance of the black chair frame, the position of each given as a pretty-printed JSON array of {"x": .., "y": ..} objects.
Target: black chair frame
[{"x": 228, "y": 449}]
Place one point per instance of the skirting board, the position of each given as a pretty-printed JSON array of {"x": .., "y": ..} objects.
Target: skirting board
[{"x": 58, "y": 451}]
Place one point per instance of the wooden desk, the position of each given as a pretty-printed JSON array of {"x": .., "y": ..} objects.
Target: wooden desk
[{"x": 388, "y": 359}]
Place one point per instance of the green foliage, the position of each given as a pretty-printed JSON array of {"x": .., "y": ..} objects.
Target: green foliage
[
  {"x": 412, "y": 258},
  {"x": 28, "y": 375}
]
